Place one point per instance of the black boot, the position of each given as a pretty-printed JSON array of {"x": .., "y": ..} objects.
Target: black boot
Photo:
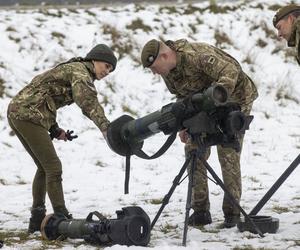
[
  {"x": 37, "y": 215},
  {"x": 231, "y": 220},
  {"x": 200, "y": 218}
]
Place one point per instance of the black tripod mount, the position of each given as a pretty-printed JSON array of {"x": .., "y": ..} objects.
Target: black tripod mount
[{"x": 198, "y": 153}]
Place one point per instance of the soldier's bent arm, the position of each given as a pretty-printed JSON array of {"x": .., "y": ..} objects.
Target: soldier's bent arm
[
  {"x": 85, "y": 96},
  {"x": 223, "y": 71}
]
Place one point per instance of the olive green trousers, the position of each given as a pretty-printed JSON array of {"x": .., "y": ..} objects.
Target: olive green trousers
[{"x": 38, "y": 144}]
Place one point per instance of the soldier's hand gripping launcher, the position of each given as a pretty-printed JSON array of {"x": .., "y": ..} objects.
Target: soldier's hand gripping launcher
[
  {"x": 132, "y": 227},
  {"x": 208, "y": 115}
]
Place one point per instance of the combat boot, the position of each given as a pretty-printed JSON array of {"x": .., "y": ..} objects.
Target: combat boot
[
  {"x": 200, "y": 218},
  {"x": 37, "y": 215},
  {"x": 231, "y": 221}
]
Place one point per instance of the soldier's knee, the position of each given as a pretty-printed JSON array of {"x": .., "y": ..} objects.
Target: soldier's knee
[
  {"x": 54, "y": 176},
  {"x": 40, "y": 171},
  {"x": 52, "y": 165},
  {"x": 229, "y": 159}
]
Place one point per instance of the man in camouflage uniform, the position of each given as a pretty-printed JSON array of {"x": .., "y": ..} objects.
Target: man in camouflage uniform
[
  {"x": 32, "y": 113},
  {"x": 287, "y": 22},
  {"x": 192, "y": 67}
]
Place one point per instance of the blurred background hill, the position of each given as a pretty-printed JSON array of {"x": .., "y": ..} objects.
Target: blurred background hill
[{"x": 88, "y": 2}]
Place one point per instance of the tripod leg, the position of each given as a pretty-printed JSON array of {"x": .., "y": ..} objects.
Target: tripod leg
[
  {"x": 231, "y": 198},
  {"x": 171, "y": 191},
  {"x": 189, "y": 197}
]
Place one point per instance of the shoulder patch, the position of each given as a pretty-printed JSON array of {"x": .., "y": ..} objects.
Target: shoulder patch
[{"x": 211, "y": 60}]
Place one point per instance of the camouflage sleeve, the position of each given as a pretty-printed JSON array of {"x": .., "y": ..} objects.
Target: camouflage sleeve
[
  {"x": 298, "y": 40},
  {"x": 223, "y": 71},
  {"x": 85, "y": 96}
]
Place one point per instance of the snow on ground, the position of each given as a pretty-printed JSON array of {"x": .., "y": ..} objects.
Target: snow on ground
[{"x": 34, "y": 40}]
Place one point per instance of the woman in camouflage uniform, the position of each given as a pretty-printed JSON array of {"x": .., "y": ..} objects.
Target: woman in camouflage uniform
[{"x": 32, "y": 115}]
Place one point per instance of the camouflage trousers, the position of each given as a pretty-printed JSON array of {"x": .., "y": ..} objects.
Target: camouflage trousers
[
  {"x": 38, "y": 144},
  {"x": 231, "y": 172}
]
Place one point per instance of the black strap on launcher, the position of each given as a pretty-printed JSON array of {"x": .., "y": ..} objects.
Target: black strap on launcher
[{"x": 140, "y": 153}]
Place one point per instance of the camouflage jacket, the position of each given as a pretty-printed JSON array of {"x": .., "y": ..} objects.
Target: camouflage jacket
[
  {"x": 294, "y": 40},
  {"x": 199, "y": 65},
  {"x": 63, "y": 85}
]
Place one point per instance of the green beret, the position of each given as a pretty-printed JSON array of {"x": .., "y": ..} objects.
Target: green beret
[
  {"x": 150, "y": 52},
  {"x": 284, "y": 11}
]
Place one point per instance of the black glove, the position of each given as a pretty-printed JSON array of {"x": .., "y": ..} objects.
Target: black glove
[
  {"x": 69, "y": 135},
  {"x": 55, "y": 131}
]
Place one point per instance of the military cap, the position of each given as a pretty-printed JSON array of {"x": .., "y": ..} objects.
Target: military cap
[
  {"x": 103, "y": 53},
  {"x": 150, "y": 52},
  {"x": 284, "y": 11}
]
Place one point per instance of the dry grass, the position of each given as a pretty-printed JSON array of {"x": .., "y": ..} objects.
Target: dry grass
[
  {"x": 271, "y": 33},
  {"x": 248, "y": 60},
  {"x": 73, "y": 10},
  {"x": 297, "y": 243},
  {"x": 2, "y": 88},
  {"x": 46, "y": 12},
  {"x": 280, "y": 210},
  {"x": 139, "y": 24},
  {"x": 249, "y": 247},
  {"x": 191, "y": 9},
  {"x": 15, "y": 39},
  {"x": 101, "y": 164},
  {"x": 121, "y": 46},
  {"x": 168, "y": 9},
  {"x": 17, "y": 238},
  {"x": 275, "y": 7},
  {"x": 3, "y": 182},
  {"x": 261, "y": 43},
  {"x": 11, "y": 29},
  {"x": 91, "y": 13},
  {"x": 253, "y": 179},
  {"x": 282, "y": 93},
  {"x": 127, "y": 109},
  {"x": 59, "y": 36},
  {"x": 156, "y": 201},
  {"x": 167, "y": 228},
  {"x": 222, "y": 38},
  {"x": 216, "y": 9}
]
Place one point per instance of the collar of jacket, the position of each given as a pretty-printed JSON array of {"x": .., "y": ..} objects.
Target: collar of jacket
[
  {"x": 177, "y": 46},
  {"x": 179, "y": 64},
  {"x": 90, "y": 67},
  {"x": 295, "y": 29}
]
